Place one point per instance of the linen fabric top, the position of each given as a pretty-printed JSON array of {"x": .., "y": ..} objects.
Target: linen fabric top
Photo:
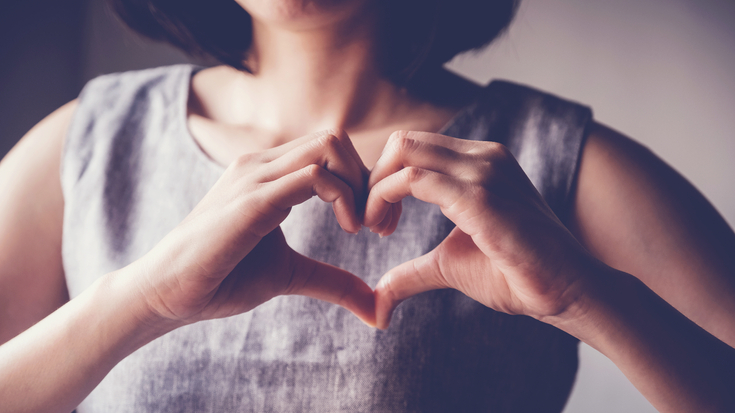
[{"x": 131, "y": 172}]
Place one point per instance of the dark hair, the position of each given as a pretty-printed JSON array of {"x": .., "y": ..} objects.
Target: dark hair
[{"x": 414, "y": 33}]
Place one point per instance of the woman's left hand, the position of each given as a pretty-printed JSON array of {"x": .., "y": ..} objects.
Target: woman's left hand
[{"x": 508, "y": 250}]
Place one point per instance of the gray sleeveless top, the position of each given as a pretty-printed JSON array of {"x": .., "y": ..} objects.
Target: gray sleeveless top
[{"x": 131, "y": 172}]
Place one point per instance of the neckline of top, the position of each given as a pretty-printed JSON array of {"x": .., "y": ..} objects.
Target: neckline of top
[{"x": 188, "y": 72}]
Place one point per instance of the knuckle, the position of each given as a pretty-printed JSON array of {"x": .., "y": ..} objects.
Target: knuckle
[
  {"x": 246, "y": 160},
  {"x": 388, "y": 288},
  {"x": 399, "y": 135},
  {"x": 330, "y": 144},
  {"x": 313, "y": 171},
  {"x": 414, "y": 174},
  {"x": 329, "y": 141},
  {"x": 332, "y": 139},
  {"x": 492, "y": 161},
  {"x": 485, "y": 168},
  {"x": 337, "y": 133},
  {"x": 396, "y": 134},
  {"x": 498, "y": 152},
  {"x": 404, "y": 144}
]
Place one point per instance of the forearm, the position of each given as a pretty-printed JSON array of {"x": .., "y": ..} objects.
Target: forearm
[
  {"x": 674, "y": 363},
  {"x": 53, "y": 365}
]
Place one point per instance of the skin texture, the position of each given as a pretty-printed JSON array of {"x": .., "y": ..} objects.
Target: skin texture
[
  {"x": 638, "y": 215},
  {"x": 31, "y": 276},
  {"x": 642, "y": 273}
]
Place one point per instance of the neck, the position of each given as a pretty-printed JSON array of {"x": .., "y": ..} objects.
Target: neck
[{"x": 307, "y": 79}]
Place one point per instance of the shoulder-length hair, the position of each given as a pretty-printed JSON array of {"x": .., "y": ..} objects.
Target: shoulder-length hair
[{"x": 414, "y": 34}]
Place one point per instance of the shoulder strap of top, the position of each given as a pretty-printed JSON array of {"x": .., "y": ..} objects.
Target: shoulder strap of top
[
  {"x": 544, "y": 132},
  {"x": 127, "y": 127},
  {"x": 112, "y": 113}
]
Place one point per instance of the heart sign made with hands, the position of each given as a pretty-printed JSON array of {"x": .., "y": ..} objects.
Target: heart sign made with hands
[
  {"x": 229, "y": 254},
  {"x": 507, "y": 251}
]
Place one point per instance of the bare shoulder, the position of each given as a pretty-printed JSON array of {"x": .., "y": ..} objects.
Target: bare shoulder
[
  {"x": 31, "y": 211},
  {"x": 34, "y": 162},
  {"x": 637, "y": 214}
]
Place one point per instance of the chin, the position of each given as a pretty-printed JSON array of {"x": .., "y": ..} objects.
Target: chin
[{"x": 301, "y": 13}]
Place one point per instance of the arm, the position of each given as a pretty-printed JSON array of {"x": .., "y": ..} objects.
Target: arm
[
  {"x": 511, "y": 253},
  {"x": 225, "y": 258},
  {"x": 638, "y": 215},
  {"x": 31, "y": 208},
  {"x": 674, "y": 363},
  {"x": 59, "y": 352}
]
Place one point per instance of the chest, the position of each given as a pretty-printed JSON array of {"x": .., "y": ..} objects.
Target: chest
[{"x": 223, "y": 142}]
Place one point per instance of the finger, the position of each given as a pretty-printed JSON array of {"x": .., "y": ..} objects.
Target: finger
[
  {"x": 390, "y": 221},
  {"x": 281, "y": 150},
  {"x": 424, "y": 150},
  {"x": 325, "y": 282},
  {"x": 386, "y": 220},
  {"x": 329, "y": 148},
  {"x": 328, "y": 152},
  {"x": 406, "y": 280},
  {"x": 298, "y": 186},
  {"x": 395, "y": 212},
  {"x": 347, "y": 143},
  {"x": 426, "y": 185},
  {"x": 455, "y": 144}
]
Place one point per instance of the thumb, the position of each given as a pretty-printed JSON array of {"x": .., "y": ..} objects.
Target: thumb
[
  {"x": 326, "y": 282},
  {"x": 404, "y": 281}
]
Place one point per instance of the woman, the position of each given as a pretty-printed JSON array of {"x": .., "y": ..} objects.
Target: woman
[{"x": 151, "y": 244}]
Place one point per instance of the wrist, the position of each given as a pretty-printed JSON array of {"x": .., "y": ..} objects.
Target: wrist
[
  {"x": 129, "y": 287},
  {"x": 65, "y": 355},
  {"x": 675, "y": 364},
  {"x": 599, "y": 296}
]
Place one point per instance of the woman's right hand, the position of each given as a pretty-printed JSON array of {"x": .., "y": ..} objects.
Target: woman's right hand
[{"x": 229, "y": 255}]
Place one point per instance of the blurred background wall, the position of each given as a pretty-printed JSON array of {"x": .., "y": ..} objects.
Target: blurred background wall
[
  {"x": 661, "y": 71},
  {"x": 40, "y": 61}
]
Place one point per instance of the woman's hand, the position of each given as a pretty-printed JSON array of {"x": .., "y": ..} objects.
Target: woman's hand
[
  {"x": 508, "y": 250},
  {"x": 229, "y": 255}
]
